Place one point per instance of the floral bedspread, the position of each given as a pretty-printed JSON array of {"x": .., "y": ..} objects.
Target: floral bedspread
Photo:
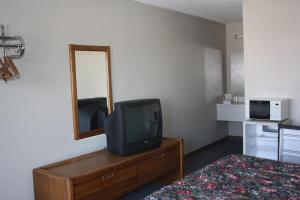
[{"x": 236, "y": 177}]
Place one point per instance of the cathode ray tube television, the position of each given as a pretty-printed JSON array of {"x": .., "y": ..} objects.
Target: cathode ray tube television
[{"x": 134, "y": 126}]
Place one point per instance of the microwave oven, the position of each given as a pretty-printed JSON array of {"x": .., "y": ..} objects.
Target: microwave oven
[{"x": 273, "y": 109}]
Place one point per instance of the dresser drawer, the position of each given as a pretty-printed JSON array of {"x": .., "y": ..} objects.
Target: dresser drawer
[
  {"x": 114, "y": 179},
  {"x": 158, "y": 165}
]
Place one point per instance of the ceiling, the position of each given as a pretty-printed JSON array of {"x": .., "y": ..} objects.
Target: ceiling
[{"x": 224, "y": 11}]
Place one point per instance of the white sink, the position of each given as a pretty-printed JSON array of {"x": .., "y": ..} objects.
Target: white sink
[{"x": 231, "y": 112}]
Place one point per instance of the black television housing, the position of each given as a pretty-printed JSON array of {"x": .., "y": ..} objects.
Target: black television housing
[
  {"x": 92, "y": 113},
  {"x": 134, "y": 126}
]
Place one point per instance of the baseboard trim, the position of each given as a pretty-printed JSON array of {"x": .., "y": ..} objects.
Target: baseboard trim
[{"x": 207, "y": 146}]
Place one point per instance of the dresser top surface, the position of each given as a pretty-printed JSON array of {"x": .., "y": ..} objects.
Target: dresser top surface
[{"x": 100, "y": 160}]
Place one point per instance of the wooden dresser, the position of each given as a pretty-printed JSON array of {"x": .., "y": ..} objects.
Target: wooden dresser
[{"x": 104, "y": 175}]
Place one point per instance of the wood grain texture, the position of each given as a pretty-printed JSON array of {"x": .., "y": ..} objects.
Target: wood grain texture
[
  {"x": 104, "y": 175},
  {"x": 51, "y": 187}
]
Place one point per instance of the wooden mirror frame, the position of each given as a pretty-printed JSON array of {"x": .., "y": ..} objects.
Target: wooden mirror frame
[{"x": 72, "y": 49}]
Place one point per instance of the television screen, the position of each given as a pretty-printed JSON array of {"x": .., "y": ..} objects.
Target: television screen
[
  {"x": 134, "y": 126},
  {"x": 141, "y": 122}
]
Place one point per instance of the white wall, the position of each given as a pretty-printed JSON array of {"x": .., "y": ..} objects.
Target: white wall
[
  {"x": 155, "y": 53},
  {"x": 272, "y": 46}
]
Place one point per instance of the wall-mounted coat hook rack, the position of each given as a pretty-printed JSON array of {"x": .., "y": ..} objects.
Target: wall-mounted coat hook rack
[{"x": 12, "y": 47}]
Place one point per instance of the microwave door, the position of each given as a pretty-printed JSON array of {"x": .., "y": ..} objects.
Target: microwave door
[{"x": 260, "y": 110}]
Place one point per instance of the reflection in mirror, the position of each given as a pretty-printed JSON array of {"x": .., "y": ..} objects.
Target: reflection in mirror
[
  {"x": 237, "y": 75},
  {"x": 91, "y": 89}
]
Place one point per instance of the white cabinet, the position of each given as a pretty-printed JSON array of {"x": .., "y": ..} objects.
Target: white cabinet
[
  {"x": 260, "y": 139},
  {"x": 289, "y": 146},
  {"x": 231, "y": 112}
]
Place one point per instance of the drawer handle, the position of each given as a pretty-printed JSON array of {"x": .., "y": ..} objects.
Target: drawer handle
[
  {"x": 107, "y": 176},
  {"x": 160, "y": 156}
]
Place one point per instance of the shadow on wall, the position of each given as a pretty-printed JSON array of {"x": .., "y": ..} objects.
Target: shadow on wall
[
  {"x": 213, "y": 89},
  {"x": 213, "y": 75}
]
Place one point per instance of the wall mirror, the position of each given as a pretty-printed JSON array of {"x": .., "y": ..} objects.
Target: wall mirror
[{"x": 91, "y": 88}]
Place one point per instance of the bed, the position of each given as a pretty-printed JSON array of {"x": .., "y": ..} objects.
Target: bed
[{"x": 236, "y": 177}]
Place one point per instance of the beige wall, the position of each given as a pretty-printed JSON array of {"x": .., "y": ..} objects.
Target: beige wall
[
  {"x": 155, "y": 53},
  {"x": 272, "y": 46}
]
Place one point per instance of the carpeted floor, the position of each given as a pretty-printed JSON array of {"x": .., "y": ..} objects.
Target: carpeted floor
[{"x": 193, "y": 162}]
